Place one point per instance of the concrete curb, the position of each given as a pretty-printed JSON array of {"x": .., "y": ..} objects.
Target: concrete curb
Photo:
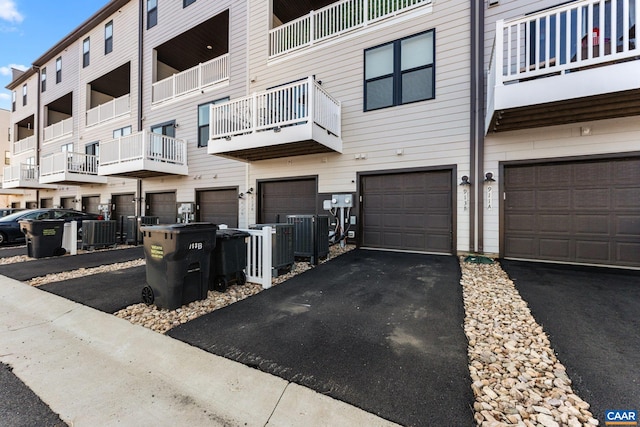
[{"x": 95, "y": 369}]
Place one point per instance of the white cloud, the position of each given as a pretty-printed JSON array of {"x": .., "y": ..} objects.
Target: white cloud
[
  {"x": 6, "y": 71},
  {"x": 9, "y": 11},
  {"x": 4, "y": 96}
]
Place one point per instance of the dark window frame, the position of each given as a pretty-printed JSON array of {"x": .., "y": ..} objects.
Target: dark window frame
[
  {"x": 201, "y": 127},
  {"x": 108, "y": 39},
  {"x": 59, "y": 69},
  {"x": 121, "y": 131},
  {"x": 13, "y": 100},
  {"x": 43, "y": 79},
  {"x": 398, "y": 73},
  {"x": 24, "y": 95},
  {"x": 152, "y": 14},
  {"x": 86, "y": 52}
]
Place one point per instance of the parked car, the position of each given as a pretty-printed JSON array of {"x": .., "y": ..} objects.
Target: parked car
[
  {"x": 8, "y": 211},
  {"x": 10, "y": 231}
]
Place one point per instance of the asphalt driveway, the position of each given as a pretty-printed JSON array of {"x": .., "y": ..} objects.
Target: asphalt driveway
[
  {"x": 379, "y": 330},
  {"x": 591, "y": 317}
]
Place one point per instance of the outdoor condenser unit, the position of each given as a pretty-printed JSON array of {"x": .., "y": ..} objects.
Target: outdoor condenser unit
[
  {"x": 281, "y": 246},
  {"x": 97, "y": 233},
  {"x": 310, "y": 236},
  {"x": 132, "y": 227}
]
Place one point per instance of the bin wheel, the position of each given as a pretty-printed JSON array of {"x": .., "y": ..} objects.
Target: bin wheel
[
  {"x": 147, "y": 295},
  {"x": 220, "y": 284},
  {"x": 242, "y": 278}
]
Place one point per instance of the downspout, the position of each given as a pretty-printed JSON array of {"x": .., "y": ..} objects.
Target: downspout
[
  {"x": 138, "y": 208},
  {"x": 476, "y": 137},
  {"x": 36, "y": 125}
]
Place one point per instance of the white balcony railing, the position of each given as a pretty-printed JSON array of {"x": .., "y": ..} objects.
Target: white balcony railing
[
  {"x": 575, "y": 36},
  {"x": 144, "y": 145},
  {"x": 63, "y": 162},
  {"x": 194, "y": 79},
  {"x": 109, "y": 110},
  {"x": 25, "y": 144},
  {"x": 23, "y": 172},
  {"x": 58, "y": 130},
  {"x": 288, "y": 105},
  {"x": 333, "y": 20}
]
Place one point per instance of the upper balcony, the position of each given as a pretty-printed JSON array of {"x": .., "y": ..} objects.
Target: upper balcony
[
  {"x": 143, "y": 154},
  {"x": 291, "y": 120},
  {"x": 24, "y": 145},
  {"x": 23, "y": 175},
  {"x": 573, "y": 63},
  {"x": 24, "y": 137},
  {"x": 70, "y": 168},
  {"x": 58, "y": 130},
  {"x": 194, "y": 79},
  {"x": 109, "y": 110},
  {"x": 297, "y": 25},
  {"x": 109, "y": 96}
]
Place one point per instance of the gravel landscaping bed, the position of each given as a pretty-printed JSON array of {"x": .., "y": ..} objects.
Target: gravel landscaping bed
[{"x": 516, "y": 377}]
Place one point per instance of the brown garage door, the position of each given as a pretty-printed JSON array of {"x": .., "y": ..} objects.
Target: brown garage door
[
  {"x": 582, "y": 212},
  {"x": 408, "y": 211},
  {"x": 90, "y": 204},
  {"x": 162, "y": 205},
  {"x": 281, "y": 198},
  {"x": 68, "y": 202},
  {"x": 217, "y": 206}
]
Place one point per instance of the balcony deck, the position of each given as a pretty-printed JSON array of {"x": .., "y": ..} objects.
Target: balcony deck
[
  {"x": 23, "y": 176},
  {"x": 545, "y": 72},
  {"x": 143, "y": 155},
  {"x": 70, "y": 169},
  {"x": 295, "y": 119}
]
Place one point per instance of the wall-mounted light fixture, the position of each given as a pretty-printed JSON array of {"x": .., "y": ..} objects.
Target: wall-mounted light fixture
[
  {"x": 465, "y": 180},
  {"x": 228, "y": 138},
  {"x": 241, "y": 196},
  {"x": 488, "y": 177},
  {"x": 249, "y": 191},
  {"x": 277, "y": 129}
]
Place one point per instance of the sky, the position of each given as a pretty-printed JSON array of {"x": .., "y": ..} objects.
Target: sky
[{"x": 28, "y": 28}]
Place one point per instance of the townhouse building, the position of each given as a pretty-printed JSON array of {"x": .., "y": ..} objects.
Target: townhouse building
[{"x": 498, "y": 127}]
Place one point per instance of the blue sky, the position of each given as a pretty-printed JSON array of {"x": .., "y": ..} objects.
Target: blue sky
[{"x": 28, "y": 28}]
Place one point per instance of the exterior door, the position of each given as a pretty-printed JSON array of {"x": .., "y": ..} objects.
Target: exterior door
[
  {"x": 281, "y": 198},
  {"x": 162, "y": 205},
  {"x": 90, "y": 204},
  {"x": 217, "y": 206}
]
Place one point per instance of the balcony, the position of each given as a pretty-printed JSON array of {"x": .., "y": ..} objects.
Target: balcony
[
  {"x": 58, "y": 130},
  {"x": 291, "y": 120},
  {"x": 109, "y": 110},
  {"x": 23, "y": 176},
  {"x": 546, "y": 70},
  {"x": 332, "y": 21},
  {"x": 193, "y": 80},
  {"x": 71, "y": 169},
  {"x": 24, "y": 145},
  {"x": 143, "y": 155}
]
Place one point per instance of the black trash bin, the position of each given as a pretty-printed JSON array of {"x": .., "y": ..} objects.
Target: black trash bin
[
  {"x": 229, "y": 259},
  {"x": 178, "y": 262},
  {"x": 44, "y": 237}
]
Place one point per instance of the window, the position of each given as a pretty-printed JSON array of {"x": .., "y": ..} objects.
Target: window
[
  {"x": 86, "y": 46},
  {"x": 67, "y": 148},
  {"x": 108, "y": 37},
  {"x": 24, "y": 94},
  {"x": 59, "y": 69},
  {"x": 152, "y": 13},
  {"x": 92, "y": 149},
  {"x": 186, "y": 3},
  {"x": 13, "y": 101},
  {"x": 122, "y": 132},
  {"x": 400, "y": 72},
  {"x": 7, "y": 157},
  {"x": 203, "y": 121},
  {"x": 159, "y": 144},
  {"x": 43, "y": 79}
]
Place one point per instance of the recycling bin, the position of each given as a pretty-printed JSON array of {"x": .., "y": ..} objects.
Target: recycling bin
[
  {"x": 178, "y": 263},
  {"x": 44, "y": 237},
  {"x": 229, "y": 259}
]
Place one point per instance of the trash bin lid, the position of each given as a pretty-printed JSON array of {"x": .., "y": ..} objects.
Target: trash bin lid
[
  {"x": 230, "y": 233},
  {"x": 192, "y": 227}
]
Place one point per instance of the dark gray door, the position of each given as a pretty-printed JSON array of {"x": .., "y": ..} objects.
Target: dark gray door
[
  {"x": 217, "y": 206},
  {"x": 46, "y": 203},
  {"x": 408, "y": 211},
  {"x": 281, "y": 198},
  {"x": 68, "y": 202},
  {"x": 162, "y": 205},
  {"x": 90, "y": 204},
  {"x": 122, "y": 204},
  {"x": 583, "y": 212}
]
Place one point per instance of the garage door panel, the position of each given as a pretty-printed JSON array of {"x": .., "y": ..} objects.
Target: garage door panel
[
  {"x": 290, "y": 197},
  {"x": 218, "y": 206},
  {"x": 592, "y": 224},
  {"x": 584, "y": 211},
  {"x": 408, "y": 211},
  {"x": 555, "y": 248}
]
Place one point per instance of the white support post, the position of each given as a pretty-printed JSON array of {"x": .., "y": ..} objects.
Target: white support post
[
  {"x": 267, "y": 256},
  {"x": 499, "y": 52}
]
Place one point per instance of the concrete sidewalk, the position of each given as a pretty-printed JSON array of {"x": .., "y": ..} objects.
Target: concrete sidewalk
[{"x": 95, "y": 369}]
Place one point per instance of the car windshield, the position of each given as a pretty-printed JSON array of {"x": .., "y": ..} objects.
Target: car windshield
[{"x": 20, "y": 215}]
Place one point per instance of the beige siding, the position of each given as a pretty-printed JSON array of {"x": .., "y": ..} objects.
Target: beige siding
[{"x": 430, "y": 133}]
